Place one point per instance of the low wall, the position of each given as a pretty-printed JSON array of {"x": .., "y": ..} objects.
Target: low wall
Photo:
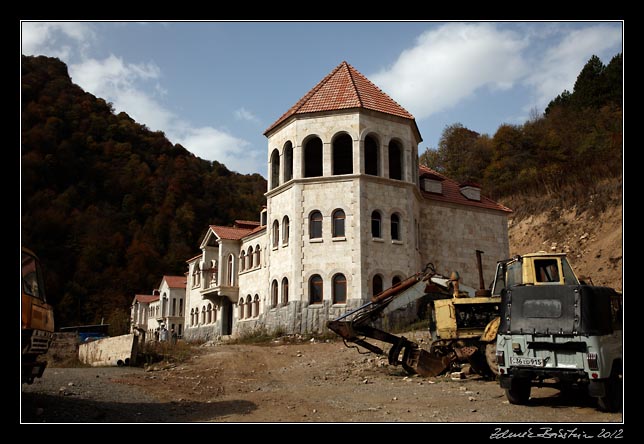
[{"x": 118, "y": 350}]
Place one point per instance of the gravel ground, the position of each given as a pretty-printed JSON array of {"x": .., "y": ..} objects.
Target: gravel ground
[{"x": 307, "y": 382}]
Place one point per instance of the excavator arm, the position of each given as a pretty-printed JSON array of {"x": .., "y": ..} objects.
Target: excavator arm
[{"x": 357, "y": 326}]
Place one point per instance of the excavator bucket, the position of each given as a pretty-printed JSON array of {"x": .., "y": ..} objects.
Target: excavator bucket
[{"x": 422, "y": 362}]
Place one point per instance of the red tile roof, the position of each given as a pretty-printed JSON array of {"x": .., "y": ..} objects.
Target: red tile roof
[
  {"x": 344, "y": 88},
  {"x": 175, "y": 281},
  {"x": 246, "y": 223},
  {"x": 230, "y": 233},
  {"x": 257, "y": 230},
  {"x": 452, "y": 192},
  {"x": 145, "y": 298},
  {"x": 195, "y": 257}
]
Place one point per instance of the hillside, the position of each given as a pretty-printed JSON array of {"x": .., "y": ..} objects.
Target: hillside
[
  {"x": 107, "y": 204},
  {"x": 588, "y": 230}
]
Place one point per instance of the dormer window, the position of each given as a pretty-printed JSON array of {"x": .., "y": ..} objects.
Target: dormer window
[{"x": 471, "y": 191}]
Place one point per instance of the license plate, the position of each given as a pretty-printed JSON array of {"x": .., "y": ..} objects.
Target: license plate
[{"x": 530, "y": 362}]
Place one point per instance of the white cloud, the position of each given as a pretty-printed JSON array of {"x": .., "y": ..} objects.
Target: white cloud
[
  {"x": 243, "y": 114},
  {"x": 47, "y": 38},
  {"x": 450, "y": 63},
  {"x": 560, "y": 64}
]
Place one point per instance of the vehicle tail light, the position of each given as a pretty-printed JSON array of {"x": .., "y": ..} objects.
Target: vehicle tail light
[
  {"x": 593, "y": 361},
  {"x": 500, "y": 358}
]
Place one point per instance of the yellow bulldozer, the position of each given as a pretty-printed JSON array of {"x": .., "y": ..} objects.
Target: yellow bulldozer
[{"x": 462, "y": 321}]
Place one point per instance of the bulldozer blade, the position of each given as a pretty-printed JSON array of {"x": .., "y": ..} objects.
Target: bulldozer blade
[{"x": 422, "y": 362}]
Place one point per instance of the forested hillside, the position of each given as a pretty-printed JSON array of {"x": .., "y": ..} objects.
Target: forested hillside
[{"x": 107, "y": 204}]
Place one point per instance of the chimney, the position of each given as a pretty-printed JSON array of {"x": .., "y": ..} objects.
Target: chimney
[{"x": 471, "y": 191}]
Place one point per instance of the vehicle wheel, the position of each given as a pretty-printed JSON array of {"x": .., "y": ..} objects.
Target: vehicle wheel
[
  {"x": 612, "y": 402},
  {"x": 519, "y": 393},
  {"x": 490, "y": 357}
]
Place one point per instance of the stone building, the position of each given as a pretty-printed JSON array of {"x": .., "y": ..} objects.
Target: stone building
[
  {"x": 165, "y": 307},
  {"x": 349, "y": 212}
]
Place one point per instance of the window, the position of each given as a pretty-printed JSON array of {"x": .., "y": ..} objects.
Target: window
[
  {"x": 284, "y": 291},
  {"x": 241, "y": 308},
  {"x": 313, "y": 157},
  {"x": 230, "y": 271},
  {"x": 546, "y": 270},
  {"x": 395, "y": 161},
  {"x": 197, "y": 316},
  {"x": 338, "y": 223},
  {"x": 249, "y": 307},
  {"x": 275, "y": 169},
  {"x": 274, "y": 293},
  {"x": 315, "y": 289},
  {"x": 315, "y": 225},
  {"x": 242, "y": 261},
  {"x": 258, "y": 256},
  {"x": 214, "y": 313},
  {"x": 209, "y": 317},
  {"x": 192, "y": 316},
  {"x": 339, "y": 289},
  {"x": 288, "y": 161},
  {"x": 250, "y": 257},
  {"x": 196, "y": 275},
  {"x": 396, "y": 280},
  {"x": 342, "y": 155},
  {"x": 276, "y": 234},
  {"x": 371, "y": 156},
  {"x": 179, "y": 332},
  {"x": 174, "y": 307},
  {"x": 375, "y": 224},
  {"x": 285, "y": 230},
  {"x": 256, "y": 306},
  {"x": 395, "y": 227},
  {"x": 377, "y": 285},
  {"x": 203, "y": 314}
]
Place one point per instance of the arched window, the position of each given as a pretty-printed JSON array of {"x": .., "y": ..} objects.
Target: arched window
[
  {"x": 256, "y": 306},
  {"x": 313, "y": 157},
  {"x": 395, "y": 227},
  {"x": 250, "y": 257},
  {"x": 284, "y": 291},
  {"x": 377, "y": 285},
  {"x": 275, "y": 169},
  {"x": 396, "y": 280},
  {"x": 274, "y": 293},
  {"x": 214, "y": 313},
  {"x": 249, "y": 307},
  {"x": 371, "y": 156},
  {"x": 288, "y": 161},
  {"x": 231, "y": 277},
  {"x": 242, "y": 260},
  {"x": 203, "y": 314},
  {"x": 276, "y": 234},
  {"x": 196, "y": 275},
  {"x": 315, "y": 225},
  {"x": 197, "y": 316},
  {"x": 192, "y": 316},
  {"x": 209, "y": 317},
  {"x": 342, "y": 155},
  {"x": 395, "y": 161},
  {"x": 258, "y": 256},
  {"x": 315, "y": 289},
  {"x": 339, "y": 289},
  {"x": 241, "y": 308},
  {"x": 285, "y": 230},
  {"x": 338, "y": 223},
  {"x": 376, "y": 219}
]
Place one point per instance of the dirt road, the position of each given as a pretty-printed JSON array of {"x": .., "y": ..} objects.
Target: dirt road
[{"x": 311, "y": 381}]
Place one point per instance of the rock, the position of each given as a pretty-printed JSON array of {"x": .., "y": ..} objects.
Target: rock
[
  {"x": 366, "y": 381},
  {"x": 395, "y": 398},
  {"x": 70, "y": 384},
  {"x": 471, "y": 398},
  {"x": 467, "y": 369},
  {"x": 457, "y": 375},
  {"x": 463, "y": 388},
  {"x": 473, "y": 410},
  {"x": 315, "y": 410}
]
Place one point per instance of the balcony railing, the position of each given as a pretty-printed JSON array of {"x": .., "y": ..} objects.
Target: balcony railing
[{"x": 209, "y": 279}]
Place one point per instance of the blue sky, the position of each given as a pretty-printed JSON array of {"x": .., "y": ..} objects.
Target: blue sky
[{"x": 215, "y": 87}]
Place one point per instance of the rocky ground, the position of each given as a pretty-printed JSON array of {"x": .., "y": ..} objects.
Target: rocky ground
[{"x": 307, "y": 381}]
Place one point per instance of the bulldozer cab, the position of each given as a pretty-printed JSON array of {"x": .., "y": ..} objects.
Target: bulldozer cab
[{"x": 533, "y": 269}]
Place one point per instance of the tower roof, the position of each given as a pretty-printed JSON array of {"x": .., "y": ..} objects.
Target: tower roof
[{"x": 344, "y": 88}]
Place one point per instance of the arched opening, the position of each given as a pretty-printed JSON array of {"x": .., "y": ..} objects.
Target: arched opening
[
  {"x": 249, "y": 307},
  {"x": 242, "y": 260},
  {"x": 250, "y": 257},
  {"x": 196, "y": 275},
  {"x": 214, "y": 313},
  {"x": 285, "y": 230},
  {"x": 395, "y": 227},
  {"x": 231, "y": 277},
  {"x": 192, "y": 317},
  {"x": 376, "y": 288},
  {"x": 396, "y": 280},
  {"x": 274, "y": 290},
  {"x": 395, "y": 161},
  {"x": 338, "y": 223},
  {"x": 315, "y": 289},
  {"x": 276, "y": 234},
  {"x": 256, "y": 306},
  {"x": 313, "y": 157},
  {"x": 342, "y": 155},
  {"x": 209, "y": 316},
  {"x": 315, "y": 225},
  {"x": 284, "y": 291},
  {"x": 258, "y": 256},
  {"x": 197, "y": 316},
  {"x": 275, "y": 168},
  {"x": 371, "y": 156},
  {"x": 339, "y": 289},
  {"x": 241, "y": 308},
  {"x": 376, "y": 224},
  {"x": 203, "y": 314},
  {"x": 288, "y": 161}
]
